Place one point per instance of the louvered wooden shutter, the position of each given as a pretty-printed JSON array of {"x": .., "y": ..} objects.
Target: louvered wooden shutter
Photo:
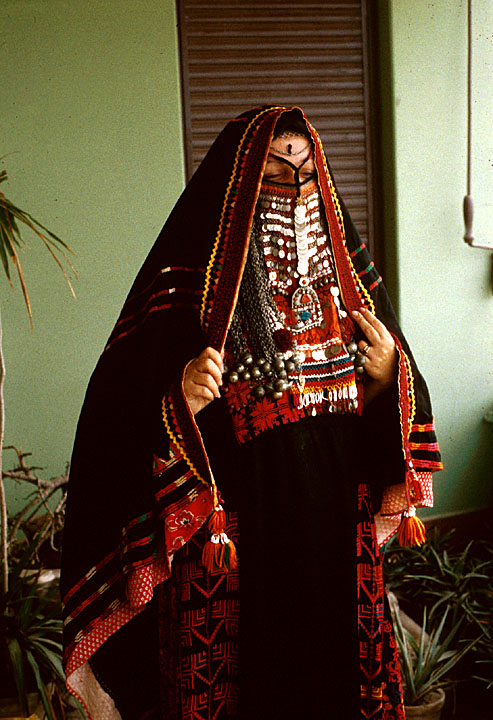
[{"x": 236, "y": 55}]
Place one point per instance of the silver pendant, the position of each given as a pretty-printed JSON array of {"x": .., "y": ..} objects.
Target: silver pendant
[{"x": 306, "y": 309}]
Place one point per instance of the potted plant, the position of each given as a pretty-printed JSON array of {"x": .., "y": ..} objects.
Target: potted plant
[
  {"x": 451, "y": 570},
  {"x": 426, "y": 660},
  {"x": 30, "y": 624}
]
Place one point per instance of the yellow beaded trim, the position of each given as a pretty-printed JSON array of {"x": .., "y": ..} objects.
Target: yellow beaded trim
[
  {"x": 182, "y": 449},
  {"x": 335, "y": 198},
  {"x": 215, "y": 248},
  {"x": 412, "y": 397}
]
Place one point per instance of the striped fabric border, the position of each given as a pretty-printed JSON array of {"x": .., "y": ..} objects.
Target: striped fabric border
[
  {"x": 172, "y": 287},
  {"x": 182, "y": 503},
  {"x": 424, "y": 447}
]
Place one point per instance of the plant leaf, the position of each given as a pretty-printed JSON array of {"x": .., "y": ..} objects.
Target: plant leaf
[
  {"x": 31, "y": 222},
  {"x": 10, "y": 236},
  {"x": 40, "y": 685},
  {"x": 3, "y": 253},
  {"x": 52, "y": 659},
  {"x": 17, "y": 660}
]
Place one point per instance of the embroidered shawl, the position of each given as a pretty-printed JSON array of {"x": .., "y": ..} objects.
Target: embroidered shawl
[{"x": 141, "y": 482}]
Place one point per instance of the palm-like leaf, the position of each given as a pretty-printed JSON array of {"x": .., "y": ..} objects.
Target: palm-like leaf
[
  {"x": 17, "y": 661},
  {"x": 45, "y": 699},
  {"x": 11, "y": 238},
  {"x": 448, "y": 573},
  {"x": 426, "y": 661},
  {"x": 30, "y": 628},
  {"x": 29, "y": 616}
]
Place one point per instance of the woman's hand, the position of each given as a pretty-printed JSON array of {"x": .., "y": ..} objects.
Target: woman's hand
[
  {"x": 379, "y": 350},
  {"x": 203, "y": 378}
]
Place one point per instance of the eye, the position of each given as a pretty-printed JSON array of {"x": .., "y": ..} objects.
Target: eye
[
  {"x": 308, "y": 171},
  {"x": 274, "y": 171}
]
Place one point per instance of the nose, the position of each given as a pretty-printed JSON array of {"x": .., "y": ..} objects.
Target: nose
[{"x": 288, "y": 176}]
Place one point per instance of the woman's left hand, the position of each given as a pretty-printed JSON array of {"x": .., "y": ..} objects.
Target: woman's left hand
[{"x": 379, "y": 349}]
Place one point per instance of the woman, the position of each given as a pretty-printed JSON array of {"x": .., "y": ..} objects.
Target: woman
[{"x": 319, "y": 419}]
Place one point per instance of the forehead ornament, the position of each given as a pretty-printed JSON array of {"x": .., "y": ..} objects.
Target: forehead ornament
[{"x": 290, "y": 150}]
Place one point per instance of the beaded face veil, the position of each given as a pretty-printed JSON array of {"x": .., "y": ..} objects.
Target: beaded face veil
[{"x": 289, "y": 258}]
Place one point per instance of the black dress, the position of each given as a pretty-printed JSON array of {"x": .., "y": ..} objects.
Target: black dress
[
  {"x": 298, "y": 622},
  {"x": 283, "y": 635}
]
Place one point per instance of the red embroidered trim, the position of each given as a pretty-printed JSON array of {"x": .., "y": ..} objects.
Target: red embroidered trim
[
  {"x": 423, "y": 446},
  {"x": 141, "y": 581},
  {"x": 135, "y": 522},
  {"x": 407, "y": 410},
  {"x": 352, "y": 292},
  {"x": 358, "y": 250},
  {"x": 367, "y": 269},
  {"x": 374, "y": 284},
  {"x": 423, "y": 428},
  {"x": 223, "y": 275},
  {"x": 166, "y": 291},
  {"x": 167, "y": 306},
  {"x": 163, "y": 271},
  {"x": 184, "y": 433},
  {"x": 252, "y": 417},
  {"x": 89, "y": 575},
  {"x": 90, "y": 598},
  {"x": 430, "y": 464}
]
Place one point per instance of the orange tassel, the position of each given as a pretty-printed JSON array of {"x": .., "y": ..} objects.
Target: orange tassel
[
  {"x": 411, "y": 530},
  {"x": 217, "y": 521},
  {"x": 208, "y": 556},
  {"x": 219, "y": 552},
  {"x": 233, "y": 557}
]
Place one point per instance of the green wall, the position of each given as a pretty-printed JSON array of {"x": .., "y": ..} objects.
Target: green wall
[
  {"x": 444, "y": 287},
  {"x": 91, "y": 123},
  {"x": 91, "y": 120}
]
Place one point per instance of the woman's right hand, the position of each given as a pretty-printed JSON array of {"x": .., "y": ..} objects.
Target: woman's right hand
[{"x": 203, "y": 378}]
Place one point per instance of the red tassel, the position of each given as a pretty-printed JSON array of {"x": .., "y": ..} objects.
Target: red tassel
[
  {"x": 219, "y": 552},
  {"x": 411, "y": 530}
]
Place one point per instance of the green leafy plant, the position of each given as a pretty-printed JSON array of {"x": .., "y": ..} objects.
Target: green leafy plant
[
  {"x": 11, "y": 240},
  {"x": 12, "y": 218},
  {"x": 30, "y": 626},
  {"x": 31, "y": 630},
  {"x": 427, "y": 660},
  {"x": 453, "y": 578},
  {"x": 30, "y": 613}
]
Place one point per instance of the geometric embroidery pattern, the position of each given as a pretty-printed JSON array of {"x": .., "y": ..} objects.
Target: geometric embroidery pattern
[
  {"x": 207, "y": 621},
  {"x": 381, "y": 688}
]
